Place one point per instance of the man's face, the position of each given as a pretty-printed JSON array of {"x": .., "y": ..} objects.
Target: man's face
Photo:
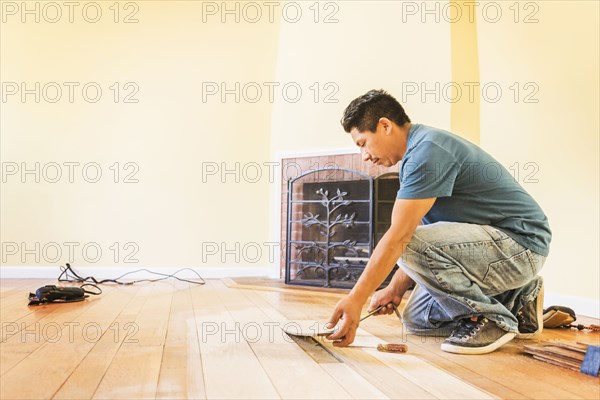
[{"x": 377, "y": 147}]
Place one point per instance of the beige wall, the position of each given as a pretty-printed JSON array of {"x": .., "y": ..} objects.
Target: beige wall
[
  {"x": 557, "y": 134},
  {"x": 169, "y": 134},
  {"x": 367, "y": 48},
  {"x": 170, "y": 52}
]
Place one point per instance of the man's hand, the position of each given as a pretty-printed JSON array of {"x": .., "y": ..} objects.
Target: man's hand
[
  {"x": 406, "y": 215},
  {"x": 347, "y": 311},
  {"x": 386, "y": 297}
]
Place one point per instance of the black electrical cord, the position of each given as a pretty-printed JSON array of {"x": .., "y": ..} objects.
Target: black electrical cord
[
  {"x": 91, "y": 292},
  {"x": 74, "y": 277}
]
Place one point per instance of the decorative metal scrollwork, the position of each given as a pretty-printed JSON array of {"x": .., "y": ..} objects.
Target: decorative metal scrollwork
[{"x": 327, "y": 231}]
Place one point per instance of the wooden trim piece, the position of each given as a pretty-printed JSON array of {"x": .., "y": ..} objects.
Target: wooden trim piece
[{"x": 230, "y": 283}]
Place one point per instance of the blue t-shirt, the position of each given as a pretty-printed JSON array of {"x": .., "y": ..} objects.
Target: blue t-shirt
[{"x": 470, "y": 186}]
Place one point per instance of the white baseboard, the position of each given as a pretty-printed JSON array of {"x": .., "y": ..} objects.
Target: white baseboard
[
  {"x": 581, "y": 305},
  {"x": 98, "y": 272}
]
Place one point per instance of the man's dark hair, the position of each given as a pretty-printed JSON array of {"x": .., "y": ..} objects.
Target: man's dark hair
[{"x": 363, "y": 113}]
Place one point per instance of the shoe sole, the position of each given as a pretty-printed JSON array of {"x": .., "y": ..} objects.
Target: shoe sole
[
  {"x": 451, "y": 348},
  {"x": 540, "y": 316}
]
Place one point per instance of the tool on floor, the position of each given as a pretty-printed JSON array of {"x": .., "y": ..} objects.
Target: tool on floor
[
  {"x": 384, "y": 347},
  {"x": 57, "y": 294},
  {"x": 392, "y": 348}
]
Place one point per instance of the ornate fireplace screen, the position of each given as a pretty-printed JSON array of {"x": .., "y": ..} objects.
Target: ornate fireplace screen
[{"x": 335, "y": 218}]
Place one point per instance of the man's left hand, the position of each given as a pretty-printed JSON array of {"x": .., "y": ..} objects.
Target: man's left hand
[{"x": 347, "y": 311}]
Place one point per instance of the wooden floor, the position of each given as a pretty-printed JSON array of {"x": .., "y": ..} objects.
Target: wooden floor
[{"x": 224, "y": 340}]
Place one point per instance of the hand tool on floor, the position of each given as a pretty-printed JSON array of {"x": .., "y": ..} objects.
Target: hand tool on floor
[
  {"x": 385, "y": 347},
  {"x": 392, "y": 348}
]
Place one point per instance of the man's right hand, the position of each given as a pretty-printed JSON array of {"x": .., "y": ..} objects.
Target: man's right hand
[{"x": 386, "y": 297}]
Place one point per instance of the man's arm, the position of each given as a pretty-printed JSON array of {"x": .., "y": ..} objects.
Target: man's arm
[
  {"x": 406, "y": 216},
  {"x": 391, "y": 296},
  {"x": 400, "y": 281}
]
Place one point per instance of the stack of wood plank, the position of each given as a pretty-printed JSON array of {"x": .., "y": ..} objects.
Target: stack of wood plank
[{"x": 565, "y": 354}]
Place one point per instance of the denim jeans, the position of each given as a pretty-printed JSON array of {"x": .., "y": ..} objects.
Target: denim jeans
[{"x": 464, "y": 270}]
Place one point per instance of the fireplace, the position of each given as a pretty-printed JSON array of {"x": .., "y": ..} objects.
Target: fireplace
[{"x": 334, "y": 218}]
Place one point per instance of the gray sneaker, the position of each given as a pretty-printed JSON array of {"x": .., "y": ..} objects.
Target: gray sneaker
[
  {"x": 531, "y": 317},
  {"x": 477, "y": 335}
]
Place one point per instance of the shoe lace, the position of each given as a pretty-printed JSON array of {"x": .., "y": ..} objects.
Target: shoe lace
[{"x": 468, "y": 327}]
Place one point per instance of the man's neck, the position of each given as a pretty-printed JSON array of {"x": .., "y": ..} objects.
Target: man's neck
[{"x": 404, "y": 131}]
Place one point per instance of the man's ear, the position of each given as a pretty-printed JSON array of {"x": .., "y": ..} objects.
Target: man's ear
[{"x": 386, "y": 124}]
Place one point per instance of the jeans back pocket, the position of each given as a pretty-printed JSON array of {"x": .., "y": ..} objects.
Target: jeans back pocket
[{"x": 513, "y": 272}]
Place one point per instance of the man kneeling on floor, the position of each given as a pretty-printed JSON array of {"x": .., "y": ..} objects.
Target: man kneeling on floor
[{"x": 463, "y": 231}]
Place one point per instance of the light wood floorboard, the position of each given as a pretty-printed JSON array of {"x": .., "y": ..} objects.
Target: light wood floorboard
[
  {"x": 224, "y": 340},
  {"x": 180, "y": 371},
  {"x": 62, "y": 344},
  {"x": 409, "y": 380},
  {"x": 230, "y": 367},
  {"x": 86, "y": 377},
  {"x": 278, "y": 355}
]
